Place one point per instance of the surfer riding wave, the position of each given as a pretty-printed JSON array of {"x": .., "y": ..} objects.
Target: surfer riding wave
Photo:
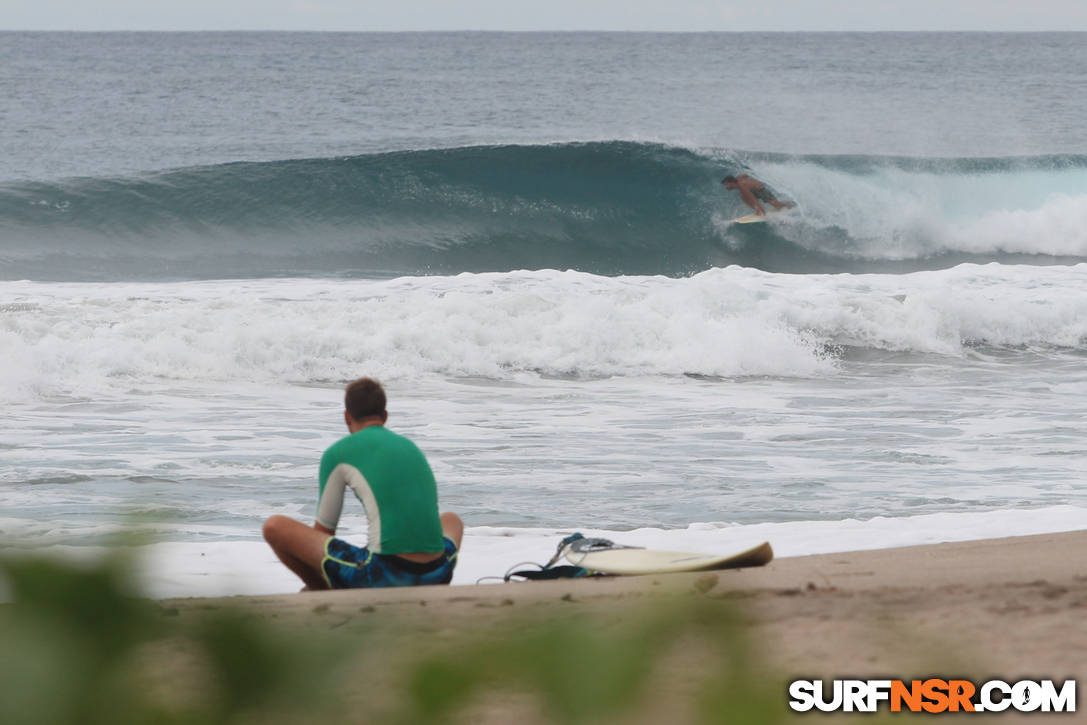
[{"x": 753, "y": 191}]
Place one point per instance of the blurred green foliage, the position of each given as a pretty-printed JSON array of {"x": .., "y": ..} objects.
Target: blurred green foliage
[
  {"x": 607, "y": 667},
  {"x": 77, "y": 647}
]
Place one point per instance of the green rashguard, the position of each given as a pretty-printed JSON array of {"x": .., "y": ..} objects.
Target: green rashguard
[{"x": 393, "y": 480}]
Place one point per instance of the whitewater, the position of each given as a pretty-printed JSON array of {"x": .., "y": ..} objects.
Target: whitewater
[
  {"x": 548, "y": 283},
  {"x": 724, "y": 401}
]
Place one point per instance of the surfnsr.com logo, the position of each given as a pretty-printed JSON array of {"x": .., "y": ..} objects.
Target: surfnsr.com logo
[{"x": 932, "y": 696}]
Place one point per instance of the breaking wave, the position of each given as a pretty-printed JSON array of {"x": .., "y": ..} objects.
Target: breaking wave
[{"x": 609, "y": 208}]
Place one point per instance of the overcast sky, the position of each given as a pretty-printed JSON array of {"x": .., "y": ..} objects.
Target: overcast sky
[{"x": 665, "y": 15}]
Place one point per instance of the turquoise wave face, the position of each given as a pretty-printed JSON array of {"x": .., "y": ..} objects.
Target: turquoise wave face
[{"x": 607, "y": 208}]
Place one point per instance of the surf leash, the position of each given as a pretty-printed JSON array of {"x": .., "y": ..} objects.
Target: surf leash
[
  {"x": 575, "y": 542},
  {"x": 544, "y": 571}
]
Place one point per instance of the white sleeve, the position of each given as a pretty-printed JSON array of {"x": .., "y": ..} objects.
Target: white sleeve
[{"x": 330, "y": 505}]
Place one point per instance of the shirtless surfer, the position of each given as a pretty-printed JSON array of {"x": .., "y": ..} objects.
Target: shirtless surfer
[{"x": 753, "y": 191}]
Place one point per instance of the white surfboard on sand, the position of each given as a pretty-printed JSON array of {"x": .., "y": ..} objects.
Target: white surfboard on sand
[{"x": 604, "y": 557}]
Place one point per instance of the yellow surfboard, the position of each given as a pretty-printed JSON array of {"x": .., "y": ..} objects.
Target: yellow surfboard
[
  {"x": 750, "y": 219},
  {"x": 754, "y": 218}
]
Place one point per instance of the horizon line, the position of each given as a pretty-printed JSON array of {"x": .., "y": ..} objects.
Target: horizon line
[{"x": 539, "y": 30}]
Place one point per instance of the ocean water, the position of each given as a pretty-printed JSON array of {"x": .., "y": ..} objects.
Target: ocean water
[{"x": 203, "y": 236}]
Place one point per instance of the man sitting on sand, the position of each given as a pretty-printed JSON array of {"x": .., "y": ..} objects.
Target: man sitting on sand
[
  {"x": 752, "y": 191},
  {"x": 409, "y": 543}
]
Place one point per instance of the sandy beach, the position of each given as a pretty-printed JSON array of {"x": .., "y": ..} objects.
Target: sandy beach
[{"x": 1008, "y": 608}]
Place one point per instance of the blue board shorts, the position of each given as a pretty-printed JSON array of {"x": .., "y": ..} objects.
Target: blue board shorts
[{"x": 350, "y": 567}]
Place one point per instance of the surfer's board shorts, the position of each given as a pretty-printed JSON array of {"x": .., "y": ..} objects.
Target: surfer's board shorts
[
  {"x": 351, "y": 567},
  {"x": 764, "y": 194}
]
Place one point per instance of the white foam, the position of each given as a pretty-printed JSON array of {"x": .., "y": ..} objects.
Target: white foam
[
  {"x": 87, "y": 339},
  {"x": 189, "y": 569},
  {"x": 894, "y": 213}
]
